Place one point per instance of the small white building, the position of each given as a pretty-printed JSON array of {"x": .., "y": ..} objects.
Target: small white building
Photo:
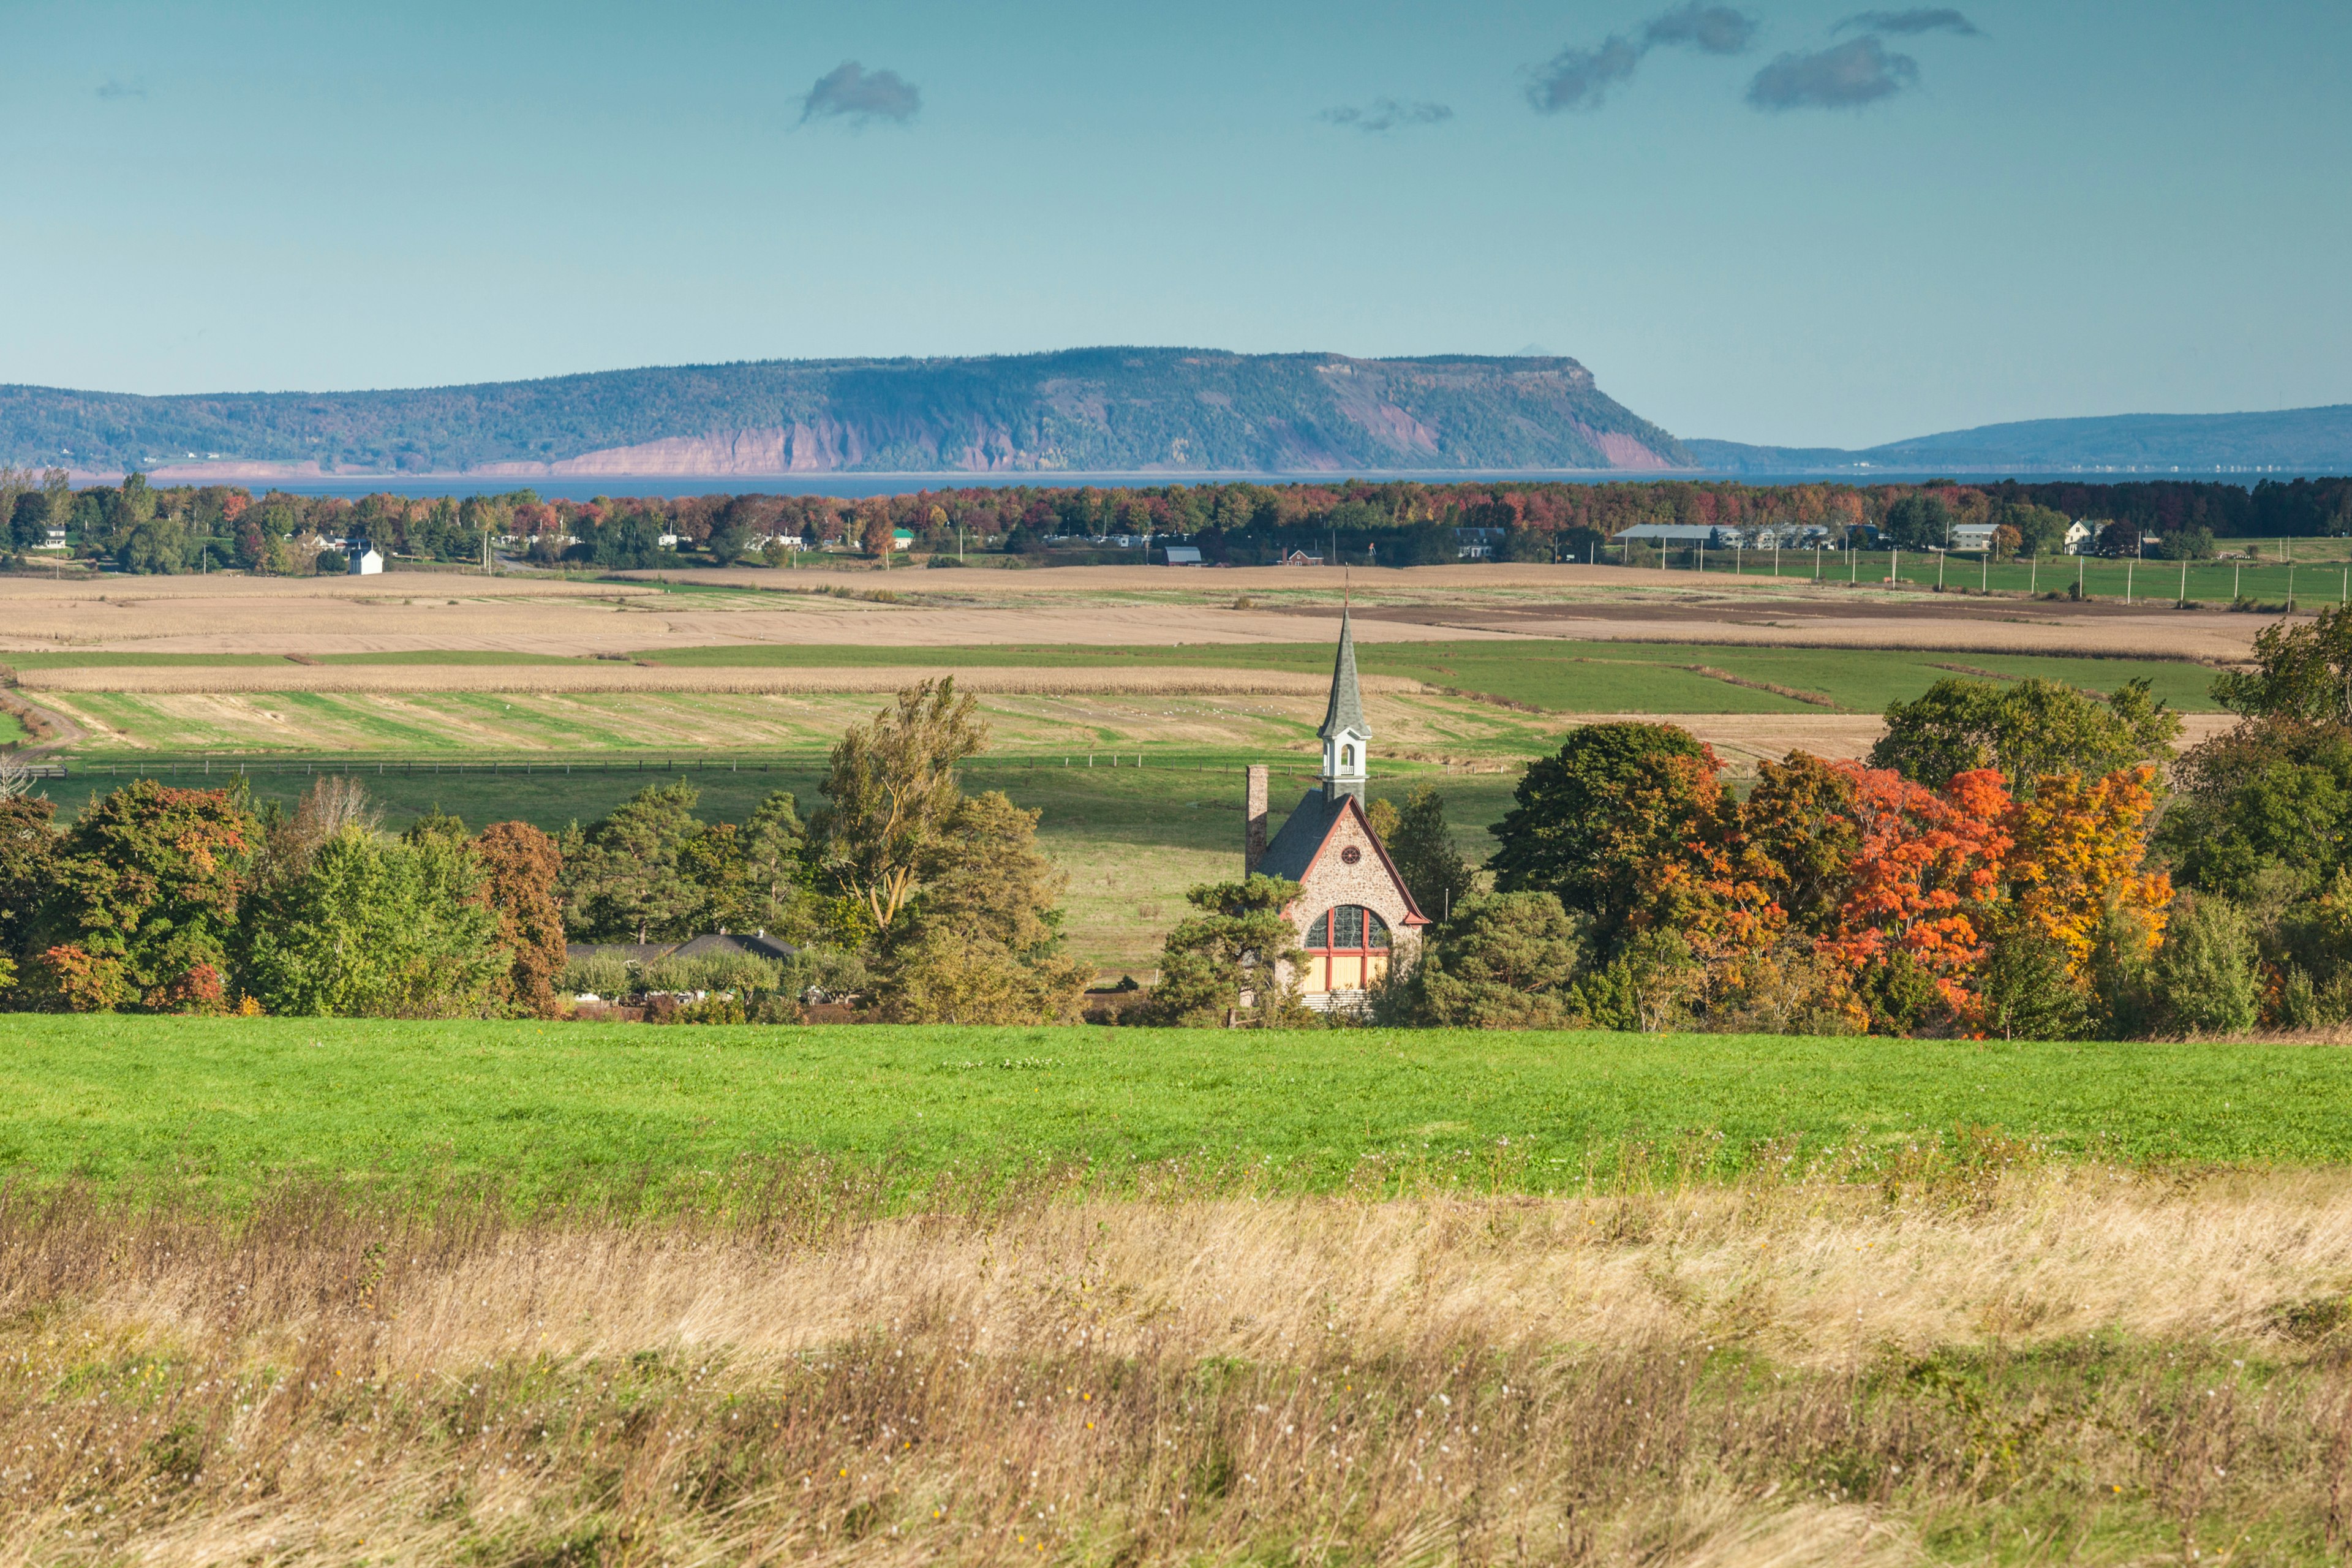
[
  {"x": 1973, "y": 535},
  {"x": 2082, "y": 537},
  {"x": 1183, "y": 555},
  {"x": 368, "y": 562}
]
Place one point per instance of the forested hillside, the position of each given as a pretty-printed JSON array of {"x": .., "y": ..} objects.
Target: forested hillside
[{"x": 1098, "y": 410}]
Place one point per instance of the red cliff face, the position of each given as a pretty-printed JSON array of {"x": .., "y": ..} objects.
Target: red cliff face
[{"x": 1091, "y": 410}]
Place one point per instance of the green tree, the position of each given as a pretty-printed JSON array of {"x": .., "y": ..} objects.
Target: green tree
[
  {"x": 2204, "y": 979},
  {"x": 2040, "y": 530},
  {"x": 774, "y": 893},
  {"x": 28, "y": 842},
  {"x": 891, "y": 787},
  {"x": 627, "y": 880},
  {"x": 1587, "y": 821},
  {"x": 1422, "y": 845},
  {"x": 1226, "y": 960},
  {"x": 1919, "y": 522},
  {"x": 2185, "y": 544},
  {"x": 378, "y": 929},
  {"x": 1798, "y": 835},
  {"x": 141, "y": 902},
  {"x": 981, "y": 941},
  {"x": 2030, "y": 729},
  {"x": 2028, "y": 993},
  {"x": 159, "y": 545},
  {"x": 1500, "y": 961},
  {"x": 2270, "y": 795},
  {"x": 2302, "y": 670}
]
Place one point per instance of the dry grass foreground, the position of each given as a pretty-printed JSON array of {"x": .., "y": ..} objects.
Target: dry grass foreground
[
  {"x": 414, "y": 611},
  {"x": 1976, "y": 1358}
]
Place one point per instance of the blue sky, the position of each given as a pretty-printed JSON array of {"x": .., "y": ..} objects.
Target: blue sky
[{"x": 2051, "y": 209}]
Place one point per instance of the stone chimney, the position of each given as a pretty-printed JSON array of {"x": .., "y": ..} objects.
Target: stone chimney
[{"x": 1253, "y": 819}]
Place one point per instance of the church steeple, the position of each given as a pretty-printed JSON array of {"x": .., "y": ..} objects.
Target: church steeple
[{"x": 1344, "y": 730}]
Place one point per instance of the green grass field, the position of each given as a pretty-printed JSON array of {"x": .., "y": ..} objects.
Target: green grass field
[
  {"x": 1563, "y": 677},
  {"x": 553, "y": 1109},
  {"x": 2321, "y": 574}
]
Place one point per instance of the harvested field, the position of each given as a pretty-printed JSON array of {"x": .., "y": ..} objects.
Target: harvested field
[
  {"x": 620, "y": 677},
  {"x": 1098, "y": 606},
  {"x": 1961, "y": 1359},
  {"x": 1036, "y": 715}
]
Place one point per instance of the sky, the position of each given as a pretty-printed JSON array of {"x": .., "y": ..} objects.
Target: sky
[{"x": 1778, "y": 222}]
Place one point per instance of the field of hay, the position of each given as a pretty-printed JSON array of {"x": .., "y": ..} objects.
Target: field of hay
[
  {"x": 574, "y": 1294},
  {"x": 1077, "y": 605},
  {"x": 1030, "y": 713}
]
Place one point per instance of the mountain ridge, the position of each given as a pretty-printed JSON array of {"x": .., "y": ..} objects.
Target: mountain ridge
[
  {"x": 1141, "y": 410},
  {"x": 2291, "y": 440}
]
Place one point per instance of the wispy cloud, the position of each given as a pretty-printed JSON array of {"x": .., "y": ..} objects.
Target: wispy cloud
[
  {"x": 851, "y": 93},
  {"x": 1908, "y": 24},
  {"x": 1580, "y": 76},
  {"x": 111, "y": 89},
  {"x": 1715, "y": 29},
  {"x": 1844, "y": 76},
  {"x": 1386, "y": 114}
]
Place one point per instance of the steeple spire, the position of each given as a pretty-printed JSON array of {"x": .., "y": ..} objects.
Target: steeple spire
[{"x": 1344, "y": 730}]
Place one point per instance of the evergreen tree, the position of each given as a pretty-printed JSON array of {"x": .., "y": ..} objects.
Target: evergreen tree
[
  {"x": 1422, "y": 845},
  {"x": 628, "y": 879},
  {"x": 1505, "y": 960},
  {"x": 1223, "y": 961}
]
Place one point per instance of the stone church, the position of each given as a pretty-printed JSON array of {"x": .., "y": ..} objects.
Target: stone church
[{"x": 1353, "y": 913}]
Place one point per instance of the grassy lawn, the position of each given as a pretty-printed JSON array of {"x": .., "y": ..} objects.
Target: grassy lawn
[{"x": 553, "y": 1109}]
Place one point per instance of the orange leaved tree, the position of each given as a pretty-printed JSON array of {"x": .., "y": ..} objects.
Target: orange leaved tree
[
  {"x": 2080, "y": 851},
  {"x": 1926, "y": 872}
]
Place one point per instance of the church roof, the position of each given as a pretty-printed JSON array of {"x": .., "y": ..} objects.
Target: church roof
[
  {"x": 1292, "y": 854},
  {"x": 1295, "y": 848},
  {"x": 1346, "y": 708}
]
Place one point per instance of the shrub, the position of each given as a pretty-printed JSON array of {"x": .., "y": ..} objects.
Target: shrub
[
  {"x": 739, "y": 971},
  {"x": 376, "y": 929},
  {"x": 831, "y": 972},
  {"x": 601, "y": 974},
  {"x": 1499, "y": 960},
  {"x": 2203, "y": 979}
]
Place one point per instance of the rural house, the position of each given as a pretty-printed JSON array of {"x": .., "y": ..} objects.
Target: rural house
[{"x": 1353, "y": 913}]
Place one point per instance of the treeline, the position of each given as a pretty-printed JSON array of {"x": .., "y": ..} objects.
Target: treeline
[
  {"x": 2010, "y": 861},
  {"x": 142, "y": 528},
  {"x": 924, "y": 903}
]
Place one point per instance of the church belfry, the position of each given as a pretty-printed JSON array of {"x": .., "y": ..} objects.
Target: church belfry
[{"x": 1344, "y": 730}]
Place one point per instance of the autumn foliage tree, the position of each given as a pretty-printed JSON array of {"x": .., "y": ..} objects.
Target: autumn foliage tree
[
  {"x": 142, "y": 902},
  {"x": 520, "y": 866}
]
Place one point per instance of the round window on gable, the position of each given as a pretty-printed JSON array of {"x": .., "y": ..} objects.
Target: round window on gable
[{"x": 1350, "y": 855}]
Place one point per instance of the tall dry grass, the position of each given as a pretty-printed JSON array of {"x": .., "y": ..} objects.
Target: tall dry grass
[
  {"x": 617, "y": 677},
  {"x": 1969, "y": 1358}
]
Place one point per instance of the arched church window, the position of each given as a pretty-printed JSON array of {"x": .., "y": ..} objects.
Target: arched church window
[
  {"x": 1347, "y": 756},
  {"x": 1347, "y": 949}
]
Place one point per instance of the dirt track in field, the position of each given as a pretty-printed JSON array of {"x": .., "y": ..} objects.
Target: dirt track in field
[{"x": 405, "y": 612}]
